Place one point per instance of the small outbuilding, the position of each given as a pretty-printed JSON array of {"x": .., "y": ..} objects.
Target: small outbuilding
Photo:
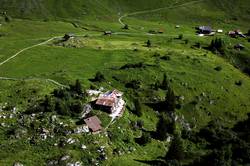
[
  {"x": 67, "y": 36},
  {"x": 239, "y": 46},
  {"x": 236, "y": 33},
  {"x": 94, "y": 124},
  {"x": 204, "y": 29},
  {"x": 107, "y": 32},
  {"x": 161, "y": 31},
  {"x": 232, "y": 34}
]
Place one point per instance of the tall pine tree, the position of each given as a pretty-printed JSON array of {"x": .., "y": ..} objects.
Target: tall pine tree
[
  {"x": 170, "y": 100},
  {"x": 165, "y": 126},
  {"x": 176, "y": 150}
]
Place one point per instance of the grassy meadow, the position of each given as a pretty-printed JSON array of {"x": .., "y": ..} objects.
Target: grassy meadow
[{"x": 206, "y": 93}]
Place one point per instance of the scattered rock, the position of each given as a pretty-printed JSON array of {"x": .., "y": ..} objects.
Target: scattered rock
[
  {"x": 78, "y": 163},
  {"x": 64, "y": 158},
  {"x": 71, "y": 141},
  {"x": 43, "y": 136},
  {"x": 53, "y": 163},
  {"x": 17, "y": 164},
  {"x": 53, "y": 118},
  {"x": 203, "y": 94},
  {"x": 81, "y": 129},
  {"x": 83, "y": 146},
  {"x": 182, "y": 98},
  {"x": 211, "y": 102},
  {"x": 86, "y": 110}
]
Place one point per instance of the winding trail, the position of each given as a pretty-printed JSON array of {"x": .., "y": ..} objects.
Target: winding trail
[
  {"x": 117, "y": 33},
  {"x": 25, "y": 49},
  {"x": 30, "y": 79},
  {"x": 34, "y": 79},
  {"x": 156, "y": 10}
]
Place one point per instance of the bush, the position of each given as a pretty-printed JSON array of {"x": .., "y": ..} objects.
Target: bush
[
  {"x": 166, "y": 58},
  {"x": 47, "y": 104},
  {"x": 140, "y": 123},
  {"x": 238, "y": 83},
  {"x": 198, "y": 45},
  {"x": 180, "y": 36},
  {"x": 76, "y": 88},
  {"x": 170, "y": 100},
  {"x": 186, "y": 41},
  {"x": 99, "y": 77},
  {"x": 152, "y": 31},
  {"x": 144, "y": 139},
  {"x": 134, "y": 84},
  {"x": 217, "y": 45},
  {"x": 61, "y": 108},
  {"x": 135, "y": 65},
  {"x": 165, "y": 82},
  {"x": 247, "y": 70},
  {"x": 61, "y": 94},
  {"x": 76, "y": 107},
  {"x": 218, "y": 68},
  {"x": 148, "y": 43},
  {"x": 126, "y": 26},
  {"x": 138, "y": 108},
  {"x": 7, "y": 18}
]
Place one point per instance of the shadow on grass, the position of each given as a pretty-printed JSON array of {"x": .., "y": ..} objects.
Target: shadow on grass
[{"x": 156, "y": 162}]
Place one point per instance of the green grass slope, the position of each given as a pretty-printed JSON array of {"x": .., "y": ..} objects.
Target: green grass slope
[
  {"x": 207, "y": 85},
  {"x": 76, "y": 9}
]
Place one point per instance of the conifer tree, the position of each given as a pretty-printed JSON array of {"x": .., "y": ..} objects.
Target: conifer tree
[
  {"x": 138, "y": 108},
  {"x": 164, "y": 127},
  {"x": 148, "y": 43},
  {"x": 176, "y": 150}
]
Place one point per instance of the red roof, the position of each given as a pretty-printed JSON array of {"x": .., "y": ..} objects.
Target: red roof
[
  {"x": 93, "y": 123},
  {"x": 108, "y": 99},
  {"x": 105, "y": 101}
]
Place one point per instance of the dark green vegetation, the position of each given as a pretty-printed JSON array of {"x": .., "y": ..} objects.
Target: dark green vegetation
[{"x": 187, "y": 96}]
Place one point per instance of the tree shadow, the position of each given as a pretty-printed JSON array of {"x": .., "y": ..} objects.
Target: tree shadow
[
  {"x": 158, "y": 106},
  {"x": 156, "y": 162}
]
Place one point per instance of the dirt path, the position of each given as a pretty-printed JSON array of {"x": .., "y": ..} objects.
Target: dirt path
[
  {"x": 34, "y": 79},
  {"x": 25, "y": 49},
  {"x": 29, "y": 79},
  {"x": 117, "y": 33},
  {"x": 156, "y": 10}
]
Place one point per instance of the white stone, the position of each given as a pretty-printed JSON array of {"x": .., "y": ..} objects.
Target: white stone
[
  {"x": 71, "y": 141},
  {"x": 65, "y": 158},
  {"x": 168, "y": 139},
  {"x": 81, "y": 129},
  {"x": 43, "y": 136},
  {"x": 84, "y": 146},
  {"x": 18, "y": 164}
]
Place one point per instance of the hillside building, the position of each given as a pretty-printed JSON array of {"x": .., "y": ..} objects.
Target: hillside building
[
  {"x": 67, "y": 36},
  {"x": 107, "y": 32},
  {"x": 204, "y": 29},
  {"x": 94, "y": 124},
  {"x": 110, "y": 101}
]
